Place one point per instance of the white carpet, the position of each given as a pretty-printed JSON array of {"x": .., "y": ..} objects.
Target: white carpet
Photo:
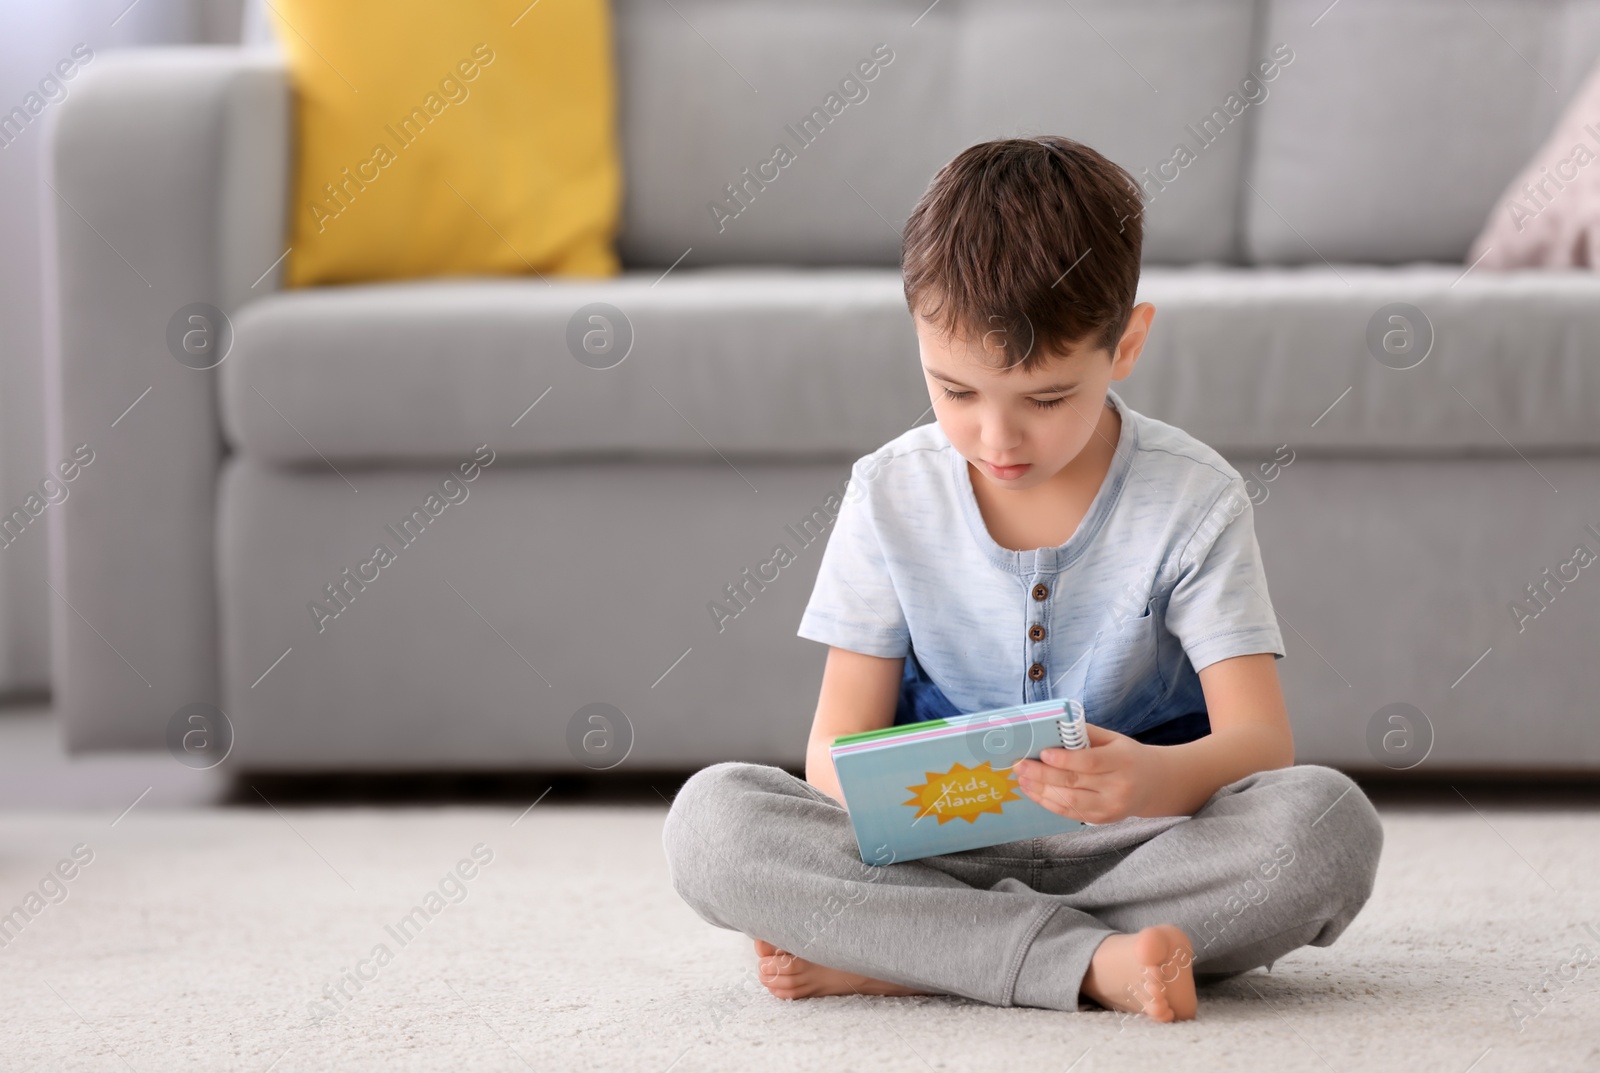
[{"x": 196, "y": 940}]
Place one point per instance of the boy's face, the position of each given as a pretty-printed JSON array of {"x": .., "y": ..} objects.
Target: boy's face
[{"x": 1040, "y": 420}]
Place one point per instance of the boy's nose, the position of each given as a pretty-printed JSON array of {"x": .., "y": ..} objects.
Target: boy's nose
[{"x": 1000, "y": 438}]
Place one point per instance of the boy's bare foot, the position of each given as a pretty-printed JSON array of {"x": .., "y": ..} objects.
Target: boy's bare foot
[
  {"x": 1149, "y": 972},
  {"x": 788, "y": 976}
]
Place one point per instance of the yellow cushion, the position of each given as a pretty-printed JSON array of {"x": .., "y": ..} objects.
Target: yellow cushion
[{"x": 472, "y": 137}]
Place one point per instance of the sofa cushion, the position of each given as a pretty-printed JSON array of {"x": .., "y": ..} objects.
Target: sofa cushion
[
  {"x": 745, "y": 361},
  {"x": 1124, "y": 78},
  {"x": 456, "y": 156},
  {"x": 799, "y": 363},
  {"x": 1248, "y": 359},
  {"x": 1401, "y": 121}
]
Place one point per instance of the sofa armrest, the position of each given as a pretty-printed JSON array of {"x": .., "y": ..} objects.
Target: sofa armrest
[{"x": 167, "y": 172}]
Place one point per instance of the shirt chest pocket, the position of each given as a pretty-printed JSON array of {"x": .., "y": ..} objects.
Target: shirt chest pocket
[{"x": 1124, "y": 678}]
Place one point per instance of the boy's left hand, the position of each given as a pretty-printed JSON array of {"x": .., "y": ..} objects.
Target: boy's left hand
[{"x": 1116, "y": 777}]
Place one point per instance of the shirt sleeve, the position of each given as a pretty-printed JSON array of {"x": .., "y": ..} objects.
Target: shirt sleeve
[
  {"x": 854, "y": 604},
  {"x": 1220, "y": 607}
]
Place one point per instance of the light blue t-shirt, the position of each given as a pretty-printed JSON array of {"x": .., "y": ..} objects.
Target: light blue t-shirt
[{"x": 1162, "y": 577}]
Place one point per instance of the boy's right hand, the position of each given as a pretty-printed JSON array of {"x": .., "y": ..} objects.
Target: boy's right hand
[{"x": 1116, "y": 777}]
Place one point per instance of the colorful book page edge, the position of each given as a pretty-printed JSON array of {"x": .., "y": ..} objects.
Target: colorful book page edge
[{"x": 883, "y": 743}]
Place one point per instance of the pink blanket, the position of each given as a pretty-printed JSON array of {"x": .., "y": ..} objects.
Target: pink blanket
[{"x": 1550, "y": 215}]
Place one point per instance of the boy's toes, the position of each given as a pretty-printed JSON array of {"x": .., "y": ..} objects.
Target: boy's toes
[
  {"x": 785, "y": 989},
  {"x": 1155, "y": 1002},
  {"x": 784, "y": 977},
  {"x": 778, "y": 966}
]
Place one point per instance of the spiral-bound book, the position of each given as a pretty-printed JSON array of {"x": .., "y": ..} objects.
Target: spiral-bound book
[{"x": 946, "y": 785}]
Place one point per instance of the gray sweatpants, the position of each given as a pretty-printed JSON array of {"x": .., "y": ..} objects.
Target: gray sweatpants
[{"x": 1270, "y": 863}]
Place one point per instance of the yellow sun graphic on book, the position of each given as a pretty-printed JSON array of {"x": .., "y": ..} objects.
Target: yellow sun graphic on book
[{"x": 963, "y": 793}]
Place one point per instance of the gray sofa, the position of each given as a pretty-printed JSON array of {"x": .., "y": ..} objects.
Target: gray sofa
[{"x": 581, "y": 564}]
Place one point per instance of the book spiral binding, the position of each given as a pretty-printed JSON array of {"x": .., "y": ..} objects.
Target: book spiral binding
[{"x": 1073, "y": 729}]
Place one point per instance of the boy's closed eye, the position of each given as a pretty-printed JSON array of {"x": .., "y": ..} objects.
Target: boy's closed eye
[{"x": 1043, "y": 404}]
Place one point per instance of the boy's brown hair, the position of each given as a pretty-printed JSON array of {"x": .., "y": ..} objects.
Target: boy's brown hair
[{"x": 1036, "y": 240}]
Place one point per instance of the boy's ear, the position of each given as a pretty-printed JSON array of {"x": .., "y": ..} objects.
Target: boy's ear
[{"x": 1133, "y": 338}]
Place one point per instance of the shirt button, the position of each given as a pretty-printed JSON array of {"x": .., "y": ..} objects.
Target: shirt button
[
  {"x": 1040, "y": 591},
  {"x": 1036, "y": 672},
  {"x": 1036, "y": 632}
]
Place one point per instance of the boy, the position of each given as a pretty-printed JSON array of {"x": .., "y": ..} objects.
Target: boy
[{"x": 1040, "y": 540}]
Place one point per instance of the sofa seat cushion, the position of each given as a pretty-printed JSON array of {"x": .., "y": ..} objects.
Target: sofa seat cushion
[
  {"x": 779, "y": 362},
  {"x": 1249, "y": 359},
  {"x": 746, "y": 362}
]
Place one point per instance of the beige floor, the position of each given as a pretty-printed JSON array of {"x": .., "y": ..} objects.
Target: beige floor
[{"x": 198, "y": 938}]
